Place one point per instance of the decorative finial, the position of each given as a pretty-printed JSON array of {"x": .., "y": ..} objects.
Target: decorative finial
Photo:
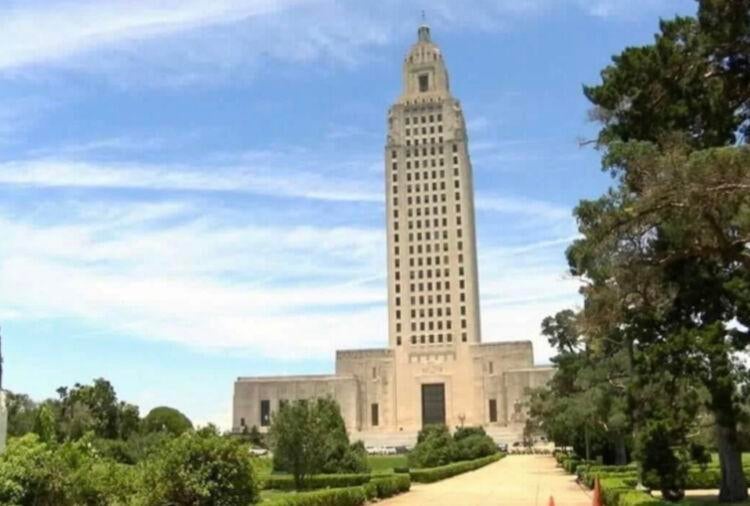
[{"x": 424, "y": 17}]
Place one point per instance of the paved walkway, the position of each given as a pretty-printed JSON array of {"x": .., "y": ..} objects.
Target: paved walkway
[{"x": 526, "y": 480}]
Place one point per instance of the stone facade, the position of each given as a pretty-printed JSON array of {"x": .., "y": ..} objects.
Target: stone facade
[{"x": 436, "y": 368}]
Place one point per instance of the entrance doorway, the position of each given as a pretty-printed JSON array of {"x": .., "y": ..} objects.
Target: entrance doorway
[{"x": 433, "y": 404}]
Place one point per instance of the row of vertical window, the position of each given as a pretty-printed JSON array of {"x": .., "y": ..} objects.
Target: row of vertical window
[
  {"x": 418, "y": 211},
  {"x": 424, "y": 130},
  {"x": 432, "y": 338},
  {"x": 414, "y": 120}
]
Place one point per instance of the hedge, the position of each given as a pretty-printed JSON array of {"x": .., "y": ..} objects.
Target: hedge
[
  {"x": 351, "y": 496},
  {"x": 286, "y": 482},
  {"x": 379, "y": 488},
  {"x": 432, "y": 474},
  {"x": 696, "y": 479},
  {"x": 391, "y": 485}
]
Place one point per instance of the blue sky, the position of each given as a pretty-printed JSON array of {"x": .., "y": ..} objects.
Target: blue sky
[{"x": 192, "y": 191}]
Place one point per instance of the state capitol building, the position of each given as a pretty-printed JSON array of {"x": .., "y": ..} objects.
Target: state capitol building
[{"x": 436, "y": 368}]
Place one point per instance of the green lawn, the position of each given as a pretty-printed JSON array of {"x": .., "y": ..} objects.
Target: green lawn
[
  {"x": 262, "y": 466},
  {"x": 745, "y": 459},
  {"x": 384, "y": 464},
  {"x": 269, "y": 495}
]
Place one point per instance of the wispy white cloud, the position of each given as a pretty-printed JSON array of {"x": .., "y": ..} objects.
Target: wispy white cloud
[
  {"x": 261, "y": 173},
  {"x": 265, "y": 175},
  {"x": 173, "y": 272},
  {"x": 177, "y": 42},
  {"x": 74, "y": 27}
]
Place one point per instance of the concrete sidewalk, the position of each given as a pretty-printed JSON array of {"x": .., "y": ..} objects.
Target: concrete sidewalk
[{"x": 526, "y": 480}]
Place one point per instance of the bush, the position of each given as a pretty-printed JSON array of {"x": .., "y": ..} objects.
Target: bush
[
  {"x": 36, "y": 473},
  {"x": 439, "y": 473},
  {"x": 353, "y": 496},
  {"x": 200, "y": 468},
  {"x": 435, "y": 447},
  {"x": 285, "y": 482},
  {"x": 475, "y": 446}
]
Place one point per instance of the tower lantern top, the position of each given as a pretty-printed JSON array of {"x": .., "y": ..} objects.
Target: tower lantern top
[{"x": 424, "y": 33}]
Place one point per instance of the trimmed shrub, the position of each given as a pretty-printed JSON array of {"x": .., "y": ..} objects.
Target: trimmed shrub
[
  {"x": 474, "y": 446},
  {"x": 391, "y": 485},
  {"x": 435, "y": 447},
  {"x": 352, "y": 496},
  {"x": 286, "y": 482},
  {"x": 433, "y": 474},
  {"x": 378, "y": 488}
]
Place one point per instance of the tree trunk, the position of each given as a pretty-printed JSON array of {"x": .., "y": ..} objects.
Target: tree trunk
[
  {"x": 733, "y": 486},
  {"x": 621, "y": 453}
]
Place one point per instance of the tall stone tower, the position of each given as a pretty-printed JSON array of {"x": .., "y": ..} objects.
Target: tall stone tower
[
  {"x": 435, "y": 368},
  {"x": 433, "y": 297},
  {"x": 432, "y": 268}
]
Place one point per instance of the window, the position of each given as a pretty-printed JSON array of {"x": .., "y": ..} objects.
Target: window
[
  {"x": 493, "y": 410},
  {"x": 490, "y": 368},
  {"x": 374, "y": 414},
  {"x": 374, "y": 372},
  {"x": 265, "y": 413},
  {"x": 424, "y": 82},
  {"x": 242, "y": 422}
]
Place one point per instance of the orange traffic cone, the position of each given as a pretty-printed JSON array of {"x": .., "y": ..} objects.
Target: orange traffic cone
[
  {"x": 551, "y": 501},
  {"x": 597, "y": 501}
]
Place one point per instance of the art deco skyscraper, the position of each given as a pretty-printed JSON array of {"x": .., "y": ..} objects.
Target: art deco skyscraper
[
  {"x": 435, "y": 370},
  {"x": 432, "y": 268}
]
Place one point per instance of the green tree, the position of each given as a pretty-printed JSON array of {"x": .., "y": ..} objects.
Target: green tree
[
  {"x": 22, "y": 412},
  {"x": 309, "y": 437},
  {"x": 168, "y": 419},
  {"x": 664, "y": 252},
  {"x": 692, "y": 79},
  {"x": 297, "y": 437},
  {"x": 585, "y": 405},
  {"x": 44, "y": 423},
  {"x": 129, "y": 420}
]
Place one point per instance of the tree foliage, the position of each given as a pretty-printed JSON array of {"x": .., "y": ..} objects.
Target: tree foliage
[
  {"x": 309, "y": 437},
  {"x": 436, "y": 447},
  {"x": 201, "y": 469},
  {"x": 664, "y": 254},
  {"x": 167, "y": 419}
]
